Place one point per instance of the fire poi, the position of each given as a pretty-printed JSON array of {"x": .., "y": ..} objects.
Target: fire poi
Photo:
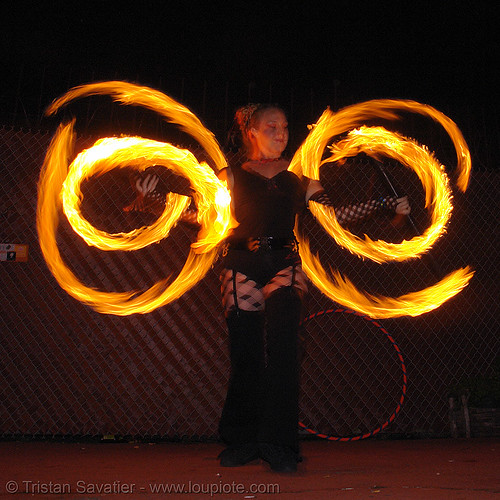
[{"x": 59, "y": 185}]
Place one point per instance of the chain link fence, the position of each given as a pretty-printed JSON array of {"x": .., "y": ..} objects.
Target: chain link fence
[{"x": 66, "y": 370}]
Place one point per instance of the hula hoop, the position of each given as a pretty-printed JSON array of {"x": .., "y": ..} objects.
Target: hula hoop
[{"x": 403, "y": 369}]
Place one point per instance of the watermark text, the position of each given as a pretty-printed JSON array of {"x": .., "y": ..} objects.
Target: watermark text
[{"x": 81, "y": 487}]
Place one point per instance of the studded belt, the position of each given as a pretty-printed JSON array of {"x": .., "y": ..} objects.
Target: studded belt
[{"x": 263, "y": 243}]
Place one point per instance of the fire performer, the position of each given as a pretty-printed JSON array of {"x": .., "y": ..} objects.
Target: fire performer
[{"x": 263, "y": 286}]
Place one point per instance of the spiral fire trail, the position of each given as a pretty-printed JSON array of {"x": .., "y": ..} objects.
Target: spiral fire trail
[
  {"x": 61, "y": 182},
  {"x": 376, "y": 141},
  {"x": 59, "y": 188}
]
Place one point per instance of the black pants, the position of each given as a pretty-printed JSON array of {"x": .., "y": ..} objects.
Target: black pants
[{"x": 262, "y": 398}]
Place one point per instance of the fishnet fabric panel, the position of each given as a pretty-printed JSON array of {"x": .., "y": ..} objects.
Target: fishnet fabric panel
[
  {"x": 292, "y": 276},
  {"x": 240, "y": 292},
  {"x": 353, "y": 213}
]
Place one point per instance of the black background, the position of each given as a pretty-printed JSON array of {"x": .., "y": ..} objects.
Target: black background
[{"x": 215, "y": 55}]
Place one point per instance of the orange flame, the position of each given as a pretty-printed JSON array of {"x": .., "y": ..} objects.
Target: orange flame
[
  {"x": 174, "y": 112},
  {"x": 212, "y": 198},
  {"x": 105, "y": 155},
  {"x": 375, "y": 141},
  {"x": 343, "y": 291},
  {"x": 308, "y": 158},
  {"x": 430, "y": 172},
  {"x": 56, "y": 184}
]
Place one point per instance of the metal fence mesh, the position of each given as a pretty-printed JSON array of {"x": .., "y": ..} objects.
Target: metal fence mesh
[{"x": 67, "y": 370}]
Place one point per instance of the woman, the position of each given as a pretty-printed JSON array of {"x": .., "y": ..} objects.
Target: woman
[{"x": 263, "y": 285}]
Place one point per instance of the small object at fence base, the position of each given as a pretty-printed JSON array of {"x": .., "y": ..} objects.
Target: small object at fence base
[
  {"x": 453, "y": 421},
  {"x": 466, "y": 415},
  {"x": 10, "y": 252},
  {"x": 467, "y": 421}
]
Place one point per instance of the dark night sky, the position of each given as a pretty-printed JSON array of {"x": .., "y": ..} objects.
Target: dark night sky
[{"x": 441, "y": 53}]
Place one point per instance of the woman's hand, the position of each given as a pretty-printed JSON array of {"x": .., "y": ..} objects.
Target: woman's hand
[
  {"x": 403, "y": 206},
  {"x": 147, "y": 199},
  {"x": 147, "y": 185}
]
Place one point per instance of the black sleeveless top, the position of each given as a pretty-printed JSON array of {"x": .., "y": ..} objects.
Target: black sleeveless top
[{"x": 266, "y": 207}]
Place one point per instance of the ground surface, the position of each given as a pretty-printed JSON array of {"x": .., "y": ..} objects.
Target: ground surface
[{"x": 426, "y": 469}]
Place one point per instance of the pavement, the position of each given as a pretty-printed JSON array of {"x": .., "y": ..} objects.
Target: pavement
[{"x": 371, "y": 468}]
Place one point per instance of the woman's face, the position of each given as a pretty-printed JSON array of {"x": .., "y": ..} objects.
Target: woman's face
[{"x": 270, "y": 136}]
